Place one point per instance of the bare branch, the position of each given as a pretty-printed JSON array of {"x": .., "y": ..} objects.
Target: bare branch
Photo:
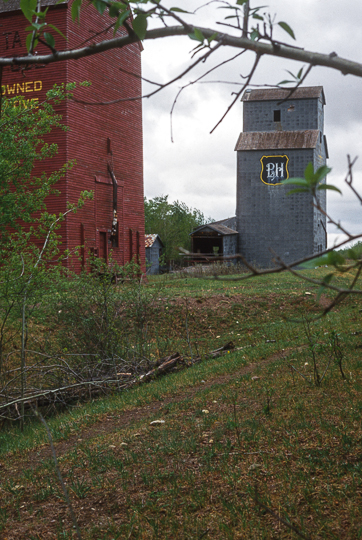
[
  {"x": 238, "y": 94},
  {"x": 160, "y": 86},
  {"x": 246, "y": 19},
  {"x": 349, "y": 177}
]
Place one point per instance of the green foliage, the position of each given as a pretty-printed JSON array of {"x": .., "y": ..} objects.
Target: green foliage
[
  {"x": 28, "y": 241},
  {"x": 135, "y": 15},
  {"x": 173, "y": 222},
  {"x": 92, "y": 321},
  {"x": 354, "y": 252},
  {"x": 287, "y": 28},
  {"x": 22, "y": 194},
  {"x": 312, "y": 181}
]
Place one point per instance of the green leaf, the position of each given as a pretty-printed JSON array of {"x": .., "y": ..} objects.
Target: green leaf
[
  {"x": 287, "y": 28},
  {"x": 309, "y": 173},
  {"x": 49, "y": 38},
  {"x": 57, "y": 30},
  {"x": 100, "y": 6},
  {"x": 298, "y": 190},
  {"x": 75, "y": 10},
  {"x": 140, "y": 26},
  {"x": 329, "y": 186},
  {"x": 258, "y": 17},
  {"x": 41, "y": 14},
  {"x": 318, "y": 261},
  {"x": 114, "y": 9},
  {"x": 300, "y": 73},
  {"x": 199, "y": 35},
  {"x": 212, "y": 37},
  {"x": 28, "y": 7},
  {"x": 322, "y": 172},
  {"x": 333, "y": 258},
  {"x": 123, "y": 16},
  {"x": 35, "y": 27},
  {"x": 179, "y": 10},
  {"x": 296, "y": 182},
  {"x": 28, "y": 41},
  {"x": 285, "y": 82},
  {"x": 292, "y": 74},
  {"x": 328, "y": 278},
  {"x": 254, "y": 34}
]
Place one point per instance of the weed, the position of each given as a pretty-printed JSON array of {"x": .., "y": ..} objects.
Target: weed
[
  {"x": 337, "y": 351},
  {"x": 190, "y": 477},
  {"x": 79, "y": 487},
  {"x": 3, "y": 518},
  {"x": 268, "y": 397}
]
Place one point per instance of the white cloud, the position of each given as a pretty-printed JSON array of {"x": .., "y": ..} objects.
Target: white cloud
[{"x": 199, "y": 168}]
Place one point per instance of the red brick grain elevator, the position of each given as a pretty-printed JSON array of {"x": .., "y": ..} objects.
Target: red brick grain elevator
[{"x": 105, "y": 140}]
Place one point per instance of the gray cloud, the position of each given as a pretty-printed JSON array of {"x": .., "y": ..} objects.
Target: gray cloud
[{"x": 199, "y": 168}]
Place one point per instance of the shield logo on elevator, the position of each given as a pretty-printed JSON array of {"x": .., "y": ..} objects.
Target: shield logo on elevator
[{"x": 274, "y": 169}]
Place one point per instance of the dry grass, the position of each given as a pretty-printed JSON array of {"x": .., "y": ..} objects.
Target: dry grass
[{"x": 249, "y": 447}]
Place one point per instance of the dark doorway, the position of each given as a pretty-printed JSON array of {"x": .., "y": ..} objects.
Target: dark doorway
[{"x": 103, "y": 251}]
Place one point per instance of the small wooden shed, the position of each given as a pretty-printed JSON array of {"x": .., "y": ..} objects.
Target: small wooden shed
[
  {"x": 217, "y": 238},
  {"x": 154, "y": 246}
]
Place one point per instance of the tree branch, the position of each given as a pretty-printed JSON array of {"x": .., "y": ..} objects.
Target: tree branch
[{"x": 332, "y": 61}]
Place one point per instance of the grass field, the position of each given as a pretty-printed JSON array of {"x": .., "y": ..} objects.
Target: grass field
[{"x": 263, "y": 442}]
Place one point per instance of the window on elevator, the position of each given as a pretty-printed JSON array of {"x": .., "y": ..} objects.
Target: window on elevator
[{"x": 277, "y": 116}]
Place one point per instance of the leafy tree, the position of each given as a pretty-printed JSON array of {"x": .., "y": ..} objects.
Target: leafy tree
[
  {"x": 28, "y": 233},
  {"x": 22, "y": 146},
  {"x": 173, "y": 222}
]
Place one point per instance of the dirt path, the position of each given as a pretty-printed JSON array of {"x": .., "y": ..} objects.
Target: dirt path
[{"x": 106, "y": 425}]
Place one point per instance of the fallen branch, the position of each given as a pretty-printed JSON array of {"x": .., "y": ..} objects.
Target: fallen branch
[{"x": 79, "y": 390}]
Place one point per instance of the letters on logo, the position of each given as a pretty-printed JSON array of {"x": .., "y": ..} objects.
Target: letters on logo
[{"x": 274, "y": 169}]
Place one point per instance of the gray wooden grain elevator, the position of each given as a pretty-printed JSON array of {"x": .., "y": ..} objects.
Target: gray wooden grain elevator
[{"x": 280, "y": 137}]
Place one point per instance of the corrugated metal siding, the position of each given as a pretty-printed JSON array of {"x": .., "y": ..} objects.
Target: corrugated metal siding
[{"x": 274, "y": 140}]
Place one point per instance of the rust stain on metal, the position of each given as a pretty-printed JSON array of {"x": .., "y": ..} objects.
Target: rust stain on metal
[
  {"x": 219, "y": 229},
  {"x": 271, "y": 94},
  {"x": 150, "y": 239},
  {"x": 275, "y": 140}
]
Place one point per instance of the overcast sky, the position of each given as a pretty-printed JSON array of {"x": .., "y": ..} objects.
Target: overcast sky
[{"x": 200, "y": 169}]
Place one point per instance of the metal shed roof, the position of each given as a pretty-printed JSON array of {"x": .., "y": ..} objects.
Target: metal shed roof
[
  {"x": 14, "y": 5},
  {"x": 272, "y": 94},
  {"x": 220, "y": 229},
  {"x": 275, "y": 140},
  {"x": 229, "y": 222},
  {"x": 150, "y": 239}
]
